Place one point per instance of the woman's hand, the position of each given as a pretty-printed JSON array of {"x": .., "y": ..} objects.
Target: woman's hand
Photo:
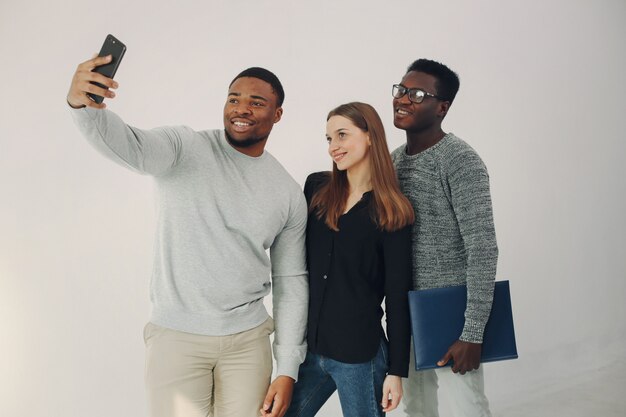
[{"x": 392, "y": 392}]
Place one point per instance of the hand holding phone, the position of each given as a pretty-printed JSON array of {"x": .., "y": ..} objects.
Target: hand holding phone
[
  {"x": 93, "y": 79},
  {"x": 116, "y": 49}
]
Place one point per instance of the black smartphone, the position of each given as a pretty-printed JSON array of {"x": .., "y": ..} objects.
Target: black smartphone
[{"x": 112, "y": 46}]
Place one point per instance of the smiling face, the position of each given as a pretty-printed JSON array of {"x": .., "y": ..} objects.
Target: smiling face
[
  {"x": 250, "y": 113},
  {"x": 348, "y": 146},
  {"x": 414, "y": 117}
]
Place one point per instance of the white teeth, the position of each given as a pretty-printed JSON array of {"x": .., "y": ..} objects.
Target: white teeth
[
  {"x": 241, "y": 124},
  {"x": 403, "y": 112}
]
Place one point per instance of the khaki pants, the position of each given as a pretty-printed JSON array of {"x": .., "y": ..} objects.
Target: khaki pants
[{"x": 190, "y": 375}]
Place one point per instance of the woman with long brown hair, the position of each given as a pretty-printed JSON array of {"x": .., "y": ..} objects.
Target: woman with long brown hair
[{"x": 358, "y": 253}]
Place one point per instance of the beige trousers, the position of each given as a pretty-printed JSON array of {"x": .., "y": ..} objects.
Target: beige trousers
[{"x": 190, "y": 375}]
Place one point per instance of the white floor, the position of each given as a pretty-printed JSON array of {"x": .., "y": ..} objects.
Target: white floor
[{"x": 599, "y": 393}]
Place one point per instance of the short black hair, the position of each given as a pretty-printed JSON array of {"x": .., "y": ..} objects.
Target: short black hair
[
  {"x": 447, "y": 80},
  {"x": 267, "y": 76}
]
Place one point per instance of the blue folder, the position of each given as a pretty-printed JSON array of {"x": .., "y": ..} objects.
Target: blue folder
[{"x": 438, "y": 317}]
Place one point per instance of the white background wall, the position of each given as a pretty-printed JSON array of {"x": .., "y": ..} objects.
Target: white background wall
[{"x": 541, "y": 99}]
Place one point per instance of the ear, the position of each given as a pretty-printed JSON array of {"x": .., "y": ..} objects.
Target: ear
[
  {"x": 444, "y": 106},
  {"x": 278, "y": 114}
]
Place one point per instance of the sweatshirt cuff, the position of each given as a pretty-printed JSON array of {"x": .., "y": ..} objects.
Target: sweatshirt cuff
[{"x": 288, "y": 367}]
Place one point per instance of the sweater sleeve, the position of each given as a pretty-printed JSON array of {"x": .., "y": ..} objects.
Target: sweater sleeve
[
  {"x": 290, "y": 290},
  {"x": 397, "y": 259},
  {"x": 151, "y": 152},
  {"x": 468, "y": 182}
]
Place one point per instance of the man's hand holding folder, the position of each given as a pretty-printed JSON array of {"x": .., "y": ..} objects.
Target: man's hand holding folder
[
  {"x": 437, "y": 320},
  {"x": 466, "y": 356}
]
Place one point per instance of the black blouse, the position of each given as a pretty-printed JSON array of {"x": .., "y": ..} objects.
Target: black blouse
[{"x": 350, "y": 272}]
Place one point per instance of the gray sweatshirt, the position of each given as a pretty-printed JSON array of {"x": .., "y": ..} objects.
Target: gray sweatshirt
[
  {"x": 219, "y": 211},
  {"x": 454, "y": 240}
]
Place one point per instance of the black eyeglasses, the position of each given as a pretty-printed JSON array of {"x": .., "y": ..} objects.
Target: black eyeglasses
[{"x": 416, "y": 95}]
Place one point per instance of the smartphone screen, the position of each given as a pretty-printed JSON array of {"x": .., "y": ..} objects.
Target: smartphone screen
[{"x": 112, "y": 46}]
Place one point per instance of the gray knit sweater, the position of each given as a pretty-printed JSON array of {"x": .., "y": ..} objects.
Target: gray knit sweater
[
  {"x": 454, "y": 240},
  {"x": 219, "y": 211}
]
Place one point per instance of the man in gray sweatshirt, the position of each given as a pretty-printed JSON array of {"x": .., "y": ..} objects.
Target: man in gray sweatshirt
[
  {"x": 223, "y": 201},
  {"x": 454, "y": 241}
]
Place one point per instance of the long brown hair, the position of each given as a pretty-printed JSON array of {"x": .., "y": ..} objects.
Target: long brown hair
[{"x": 391, "y": 210}]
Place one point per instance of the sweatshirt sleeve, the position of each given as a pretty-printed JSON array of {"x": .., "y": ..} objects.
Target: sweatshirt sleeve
[
  {"x": 471, "y": 200},
  {"x": 290, "y": 290},
  {"x": 151, "y": 152}
]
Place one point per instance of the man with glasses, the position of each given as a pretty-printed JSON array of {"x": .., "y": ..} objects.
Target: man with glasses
[{"x": 454, "y": 240}]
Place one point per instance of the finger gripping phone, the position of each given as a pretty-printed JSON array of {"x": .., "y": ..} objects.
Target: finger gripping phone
[{"x": 112, "y": 46}]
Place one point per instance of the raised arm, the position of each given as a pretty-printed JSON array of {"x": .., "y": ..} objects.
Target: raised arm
[{"x": 151, "y": 152}]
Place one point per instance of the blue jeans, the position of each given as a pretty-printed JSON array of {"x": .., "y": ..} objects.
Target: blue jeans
[{"x": 359, "y": 385}]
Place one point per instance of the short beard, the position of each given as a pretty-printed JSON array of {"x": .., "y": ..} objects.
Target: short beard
[{"x": 246, "y": 143}]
